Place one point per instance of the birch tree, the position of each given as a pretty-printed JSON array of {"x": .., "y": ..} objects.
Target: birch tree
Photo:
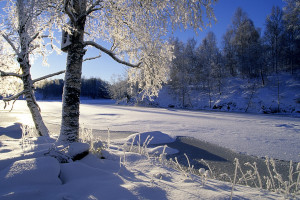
[
  {"x": 291, "y": 23},
  {"x": 23, "y": 25},
  {"x": 210, "y": 66},
  {"x": 136, "y": 31},
  {"x": 180, "y": 71}
]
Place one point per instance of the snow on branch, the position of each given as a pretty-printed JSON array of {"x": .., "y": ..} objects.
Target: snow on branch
[
  {"x": 14, "y": 97},
  {"x": 48, "y": 76},
  {"x": 3, "y": 74},
  {"x": 93, "y": 7},
  {"x": 111, "y": 54}
]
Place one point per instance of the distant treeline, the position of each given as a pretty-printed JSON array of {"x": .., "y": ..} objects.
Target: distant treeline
[
  {"x": 94, "y": 88},
  {"x": 245, "y": 53}
]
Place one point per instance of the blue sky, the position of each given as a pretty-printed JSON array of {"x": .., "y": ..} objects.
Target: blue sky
[{"x": 105, "y": 67}]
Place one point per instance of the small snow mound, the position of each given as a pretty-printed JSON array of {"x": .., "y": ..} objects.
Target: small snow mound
[
  {"x": 166, "y": 176},
  {"x": 78, "y": 150},
  {"x": 43, "y": 170},
  {"x": 158, "y": 138},
  {"x": 159, "y": 150}
]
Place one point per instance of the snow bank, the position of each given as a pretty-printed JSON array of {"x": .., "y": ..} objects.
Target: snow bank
[
  {"x": 239, "y": 95},
  {"x": 44, "y": 170},
  {"x": 78, "y": 150},
  {"x": 158, "y": 138},
  {"x": 160, "y": 149},
  {"x": 139, "y": 177}
]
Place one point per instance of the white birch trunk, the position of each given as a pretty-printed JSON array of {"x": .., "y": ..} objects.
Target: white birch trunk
[
  {"x": 32, "y": 104},
  {"x": 23, "y": 59}
]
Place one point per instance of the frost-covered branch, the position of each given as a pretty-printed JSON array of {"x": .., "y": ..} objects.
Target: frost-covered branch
[
  {"x": 92, "y": 8},
  {"x": 33, "y": 38},
  {"x": 3, "y": 74},
  {"x": 36, "y": 35},
  {"x": 14, "y": 97},
  {"x": 48, "y": 76},
  {"x": 10, "y": 43},
  {"x": 111, "y": 54}
]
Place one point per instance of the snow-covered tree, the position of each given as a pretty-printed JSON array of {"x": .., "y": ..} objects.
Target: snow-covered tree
[
  {"x": 119, "y": 88},
  {"x": 229, "y": 53},
  {"x": 242, "y": 45},
  {"x": 273, "y": 37},
  {"x": 24, "y": 24},
  {"x": 182, "y": 69},
  {"x": 210, "y": 65},
  {"x": 136, "y": 30},
  {"x": 291, "y": 23}
]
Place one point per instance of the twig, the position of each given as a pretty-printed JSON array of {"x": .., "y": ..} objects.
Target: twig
[{"x": 92, "y": 58}]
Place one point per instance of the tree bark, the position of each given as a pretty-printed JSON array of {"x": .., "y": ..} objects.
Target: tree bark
[
  {"x": 69, "y": 131},
  {"x": 71, "y": 96}
]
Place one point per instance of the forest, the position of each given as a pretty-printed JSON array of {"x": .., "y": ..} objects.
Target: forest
[
  {"x": 93, "y": 88},
  {"x": 246, "y": 53}
]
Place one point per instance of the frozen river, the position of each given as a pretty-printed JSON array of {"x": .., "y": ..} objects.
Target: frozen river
[{"x": 260, "y": 135}]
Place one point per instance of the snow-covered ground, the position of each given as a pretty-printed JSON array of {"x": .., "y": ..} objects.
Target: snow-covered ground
[
  {"x": 239, "y": 95},
  {"x": 260, "y": 135},
  {"x": 141, "y": 178},
  {"x": 38, "y": 177}
]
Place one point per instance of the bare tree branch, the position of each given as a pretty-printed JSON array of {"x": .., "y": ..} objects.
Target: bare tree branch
[
  {"x": 68, "y": 11},
  {"x": 92, "y": 58},
  {"x": 3, "y": 74},
  {"x": 34, "y": 37},
  {"x": 92, "y": 8},
  {"x": 48, "y": 76},
  {"x": 111, "y": 54},
  {"x": 10, "y": 43}
]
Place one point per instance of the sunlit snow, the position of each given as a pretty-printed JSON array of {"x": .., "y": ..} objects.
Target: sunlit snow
[{"x": 130, "y": 175}]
